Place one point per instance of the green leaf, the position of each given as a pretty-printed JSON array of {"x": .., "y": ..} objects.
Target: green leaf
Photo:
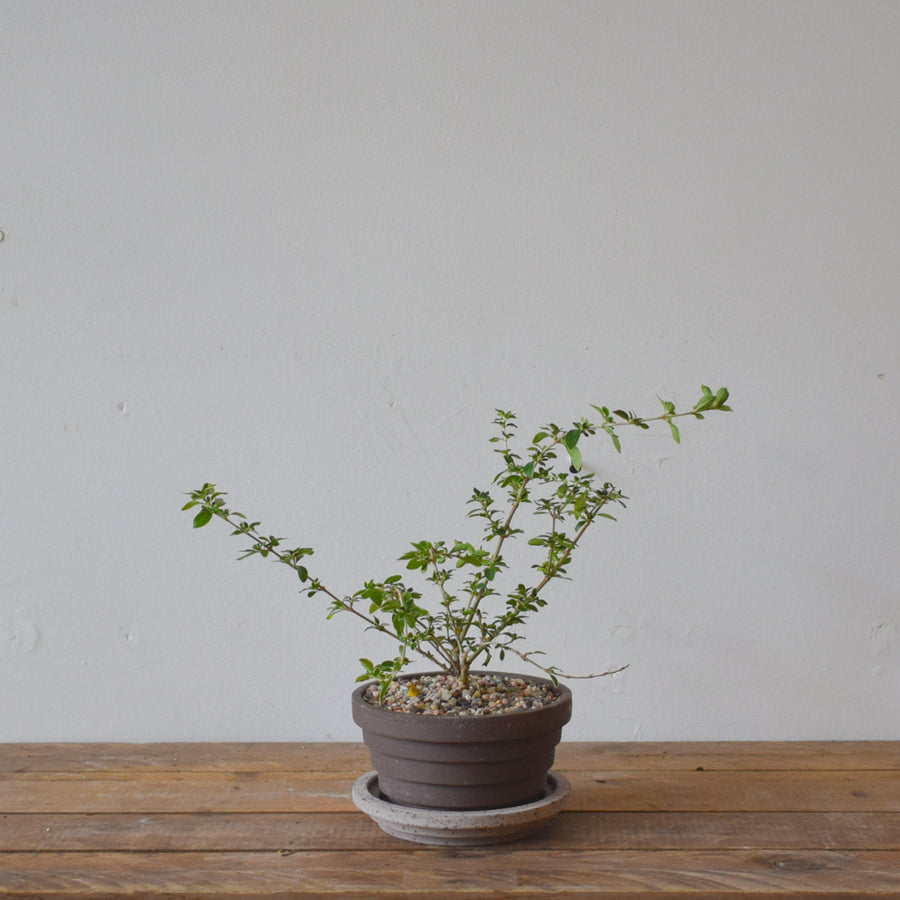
[
  {"x": 528, "y": 470},
  {"x": 575, "y": 456},
  {"x": 571, "y": 439},
  {"x": 615, "y": 438},
  {"x": 675, "y": 432},
  {"x": 190, "y": 504},
  {"x": 202, "y": 518}
]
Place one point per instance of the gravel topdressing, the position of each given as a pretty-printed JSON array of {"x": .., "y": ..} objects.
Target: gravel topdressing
[{"x": 442, "y": 695}]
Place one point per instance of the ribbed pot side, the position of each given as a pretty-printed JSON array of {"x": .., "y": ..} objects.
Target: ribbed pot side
[{"x": 463, "y": 762}]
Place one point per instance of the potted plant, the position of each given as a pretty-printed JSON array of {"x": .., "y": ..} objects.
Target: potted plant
[{"x": 460, "y": 738}]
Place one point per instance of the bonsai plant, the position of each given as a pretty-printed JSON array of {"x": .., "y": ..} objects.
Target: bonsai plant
[{"x": 470, "y": 619}]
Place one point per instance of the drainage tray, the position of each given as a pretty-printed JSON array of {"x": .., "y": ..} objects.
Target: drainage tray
[{"x": 459, "y": 828}]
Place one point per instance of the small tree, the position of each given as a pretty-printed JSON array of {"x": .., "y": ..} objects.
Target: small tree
[{"x": 469, "y": 620}]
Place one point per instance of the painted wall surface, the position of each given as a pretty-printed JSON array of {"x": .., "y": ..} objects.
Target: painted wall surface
[{"x": 305, "y": 249}]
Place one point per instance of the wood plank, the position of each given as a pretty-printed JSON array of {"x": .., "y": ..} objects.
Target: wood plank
[
  {"x": 353, "y": 757},
  {"x": 816, "y": 819},
  {"x": 719, "y": 831},
  {"x": 449, "y": 873},
  {"x": 729, "y": 755},
  {"x": 837, "y": 791},
  {"x": 223, "y": 792},
  {"x": 212, "y": 832},
  {"x": 352, "y": 831},
  {"x": 184, "y": 757},
  {"x": 196, "y": 792}
]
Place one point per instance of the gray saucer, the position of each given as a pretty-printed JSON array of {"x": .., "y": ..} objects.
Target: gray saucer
[{"x": 456, "y": 828}]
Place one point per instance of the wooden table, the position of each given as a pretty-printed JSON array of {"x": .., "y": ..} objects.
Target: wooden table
[{"x": 276, "y": 820}]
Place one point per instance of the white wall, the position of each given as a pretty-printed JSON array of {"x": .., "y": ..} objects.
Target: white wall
[{"x": 303, "y": 250}]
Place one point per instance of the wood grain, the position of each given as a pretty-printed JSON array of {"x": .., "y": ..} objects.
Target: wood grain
[
  {"x": 341, "y": 831},
  {"x": 344, "y": 757},
  {"x": 753, "y": 819},
  {"x": 296, "y": 792},
  {"x": 498, "y": 874}
]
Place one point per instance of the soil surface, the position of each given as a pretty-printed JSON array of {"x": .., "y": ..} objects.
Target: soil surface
[{"x": 486, "y": 694}]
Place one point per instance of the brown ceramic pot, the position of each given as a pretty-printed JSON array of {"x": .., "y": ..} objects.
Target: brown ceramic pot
[{"x": 463, "y": 762}]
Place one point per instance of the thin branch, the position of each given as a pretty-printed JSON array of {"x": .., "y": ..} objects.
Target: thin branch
[{"x": 556, "y": 673}]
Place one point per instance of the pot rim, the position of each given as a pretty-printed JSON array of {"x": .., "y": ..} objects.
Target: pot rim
[{"x": 438, "y": 728}]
